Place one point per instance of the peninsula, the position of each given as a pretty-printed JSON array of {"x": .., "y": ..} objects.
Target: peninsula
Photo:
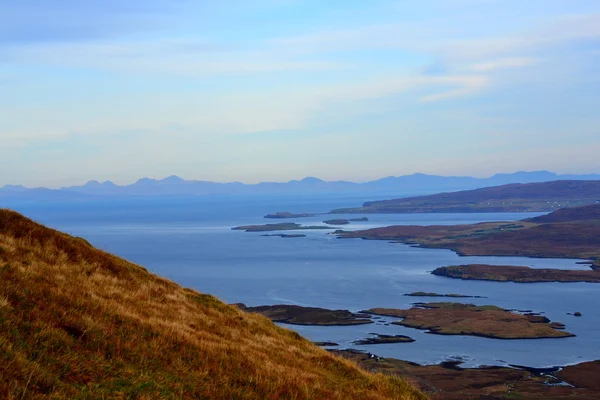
[
  {"x": 575, "y": 235},
  {"x": 509, "y": 273},
  {"x": 527, "y": 197}
]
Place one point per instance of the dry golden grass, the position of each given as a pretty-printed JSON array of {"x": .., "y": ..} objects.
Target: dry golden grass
[{"x": 79, "y": 323}]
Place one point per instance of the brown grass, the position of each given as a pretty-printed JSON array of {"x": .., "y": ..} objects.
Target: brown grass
[{"x": 79, "y": 323}]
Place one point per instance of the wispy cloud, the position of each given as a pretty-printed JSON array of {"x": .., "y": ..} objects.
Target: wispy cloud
[
  {"x": 503, "y": 63},
  {"x": 467, "y": 85}
]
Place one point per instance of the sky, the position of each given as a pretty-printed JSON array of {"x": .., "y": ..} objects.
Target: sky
[{"x": 273, "y": 90}]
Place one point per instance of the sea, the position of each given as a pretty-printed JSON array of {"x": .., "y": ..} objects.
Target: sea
[{"x": 190, "y": 241}]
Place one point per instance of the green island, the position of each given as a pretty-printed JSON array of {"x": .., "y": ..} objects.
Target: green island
[
  {"x": 509, "y": 273},
  {"x": 516, "y": 197},
  {"x": 449, "y": 381},
  {"x": 468, "y": 319},
  {"x": 578, "y": 229},
  {"x": 79, "y": 323},
  {"x": 284, "y": 226}
]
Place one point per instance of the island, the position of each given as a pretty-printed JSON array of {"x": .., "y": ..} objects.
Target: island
[
  {"x": 430, "y": 294},
  {"x": 576, "y": 235},
  {"x": 449, "y": 381},
  {"x": 284, "y": 226},
  {"x": 286, "y": 235},
  {"x": 509, "y": 273},
  {"x": 469, "y": 319},
  {"x": 517, "y": 197},
  {"x": 344, "y": 221},
  {"x": 298, "y": 315},
  {"x": 339, "y": 221},
  {"x": 383, "y": 339},
  {"x": 285, "y": 214},
  {"x": 326, "y": 344}
]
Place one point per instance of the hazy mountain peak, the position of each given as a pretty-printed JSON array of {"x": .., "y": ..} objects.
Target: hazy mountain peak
[
  {"x": 145, "y": 181},
  {"x": 14, "y": 187},
  {"x": 91, "y": 183},
  {"x": 311, "y": 179},
  {"x": 173, "y": 179}
]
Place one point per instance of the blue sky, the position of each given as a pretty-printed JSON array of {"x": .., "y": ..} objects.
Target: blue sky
[{"x": 281, "y": 89}]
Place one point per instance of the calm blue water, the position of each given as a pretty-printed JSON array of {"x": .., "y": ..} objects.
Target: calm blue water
[{"x": 190, "y": 242}]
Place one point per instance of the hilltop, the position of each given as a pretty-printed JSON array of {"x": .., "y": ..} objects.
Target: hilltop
[
  {"x": 76, "y": 322},
  {"x": 518, "y": 197}
]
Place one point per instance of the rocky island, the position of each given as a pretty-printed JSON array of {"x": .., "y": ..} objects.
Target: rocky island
[
  {"x": 509, "y": 273},
  {"x": 468, "y": 319},
  {"x": 298, "y": 315}
]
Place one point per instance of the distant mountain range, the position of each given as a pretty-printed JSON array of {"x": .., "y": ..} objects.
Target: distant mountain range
[{"x": 176, "y": 186}]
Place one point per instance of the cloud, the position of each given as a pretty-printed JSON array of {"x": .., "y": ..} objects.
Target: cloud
[
  {"x": 467, "y": 85},
  {"x": 191, "y": 57},
  {"x": 503, "y": 63}
]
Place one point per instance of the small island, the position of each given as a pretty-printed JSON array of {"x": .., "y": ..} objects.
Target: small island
[
  {"x": 509, "y": 273},
  {"x": 284, "y": 226},
  {"x": 469, "y": 319},
  {"x": 430, "y": 294},
  {"x": 344, "y": 221},
  {"x": 286, "y": 235},
  {"x": 326, "y": 344},
  {"x": 339, "y": 221},
  {"x": 285, "y": 214},
  {"x": 383, "y": 339},
  {"x": 298, "y": 315}
]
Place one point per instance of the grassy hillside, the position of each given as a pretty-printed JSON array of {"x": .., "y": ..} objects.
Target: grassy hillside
[
  {"x": 79, "y": 323},
  {"x": 517, "y": 197}
]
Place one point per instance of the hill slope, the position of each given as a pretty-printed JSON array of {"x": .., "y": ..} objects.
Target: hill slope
[
  {"x": 529, "y": 197},
  {"x": 79, "y": 323}
]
